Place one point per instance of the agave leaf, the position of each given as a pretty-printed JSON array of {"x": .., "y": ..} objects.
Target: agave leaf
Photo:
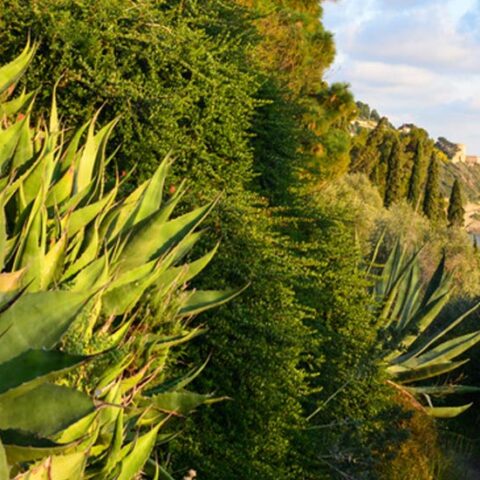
[
  {"x": 33, "y": 367},
  {"x": 151, "y": 237},
  {"x": 55, "y": 409},
  {"x": 62, "y": 189},
  {"x": 436, "y": 283},
  {"x": 93, "y": 276},
  {"x": 37, "y": 182},
  {"x": 151, "y": 199},
  {"x": 443, "y": 390},
  {"x": 113, "y": 372},
  {"x": 11, "y": 72},
  {"x": 54, "y": 124},
  {"x": 14, "y": 106},
  {"x": 32, "y": 247},
  {"x": 116, "y": 220},
  {"x": 139, "y": 453},
  {"x": 82, "y": 217},
  {"x": 24, "y": 148},
  {"x": 38, "y": 320},
  {"x": 182, "y": 274},
  {"x": 9, "y": 138},
  {"x": 428, "y": 342},
  {"x": 175, "y": 340},
  {"x": 447, "y": 412},
  {"x": 445, "y": 351},
  {"x": 3, "y": 236},
  {"x": 202, "y": 300},
  {"x": 79, "y": 429},
  {"x": 4, "y": 470},
  {"x": 399, "y": 271},
  {"x": 88, "y": 159},
  {"x": 23, "y": 447},
  {"x": 178, "y": 403},
  {"x": 404, "y": 375},
  {"x": 11, "y": 281},
  {"x": 72, "y": 151},
  {"x": 423, "y": 319},
  {"x": 53, "y": 263},
  {"x": 114, "y": 453},
  {"x": 59, "y": 467},
  {"x": 405, "y": 288},
  {"x": 118, "y": 301},
  {"x": 87, "y": 256},
  {"x": 412, "y": 300},
  {"x": 179, "y": 382}
]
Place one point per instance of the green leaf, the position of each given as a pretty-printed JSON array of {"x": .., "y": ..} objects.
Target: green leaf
[
  {"x": 178, "y": 403},
  {"x": 88, "y": 160},
  {"x": 436, "y": 284},
  {"x": 33, "y": 367},
  {"x": 151, "y": 237},
  {"x": 44, "y": 410},
  {"x": 9, "y": 139},
  {"x": 443, "y": 390},
  {"x": 23, "y": 447},
  {"x": 422, "y": 373},
  {"x": 14, "y": 106},
  {"x": 4, "y": 470},
  {"x": 445, "y": 351},
  {"x": 83, "y": 216},
  {"x": 53, "y": 263},
  {"x": 151, "y": 199},
  {"x": 59, "y": 467},
  {"x": 38, "y": 320},
  {"x": 11, "y": 72},
  {"x": 447, "y": 412},
  {"x": 133, "y": 463},
  {"x": 179, "y": 382},
  {"x": 202, "y": 300}
]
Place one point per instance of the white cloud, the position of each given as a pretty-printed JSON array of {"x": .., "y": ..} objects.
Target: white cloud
[{"x": 414, "y": 60}]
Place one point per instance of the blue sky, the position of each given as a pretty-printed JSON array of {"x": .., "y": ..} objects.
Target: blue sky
[{"x": 415, "y": 61}]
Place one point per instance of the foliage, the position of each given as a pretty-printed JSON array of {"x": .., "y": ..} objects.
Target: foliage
[
  {"x": 421, "y": 456},
  {"x": 412, "y": 349},
  {"x": 64, "y": 228},
  {"x": 174, "y": 71},
  {"x": 349, "y": 410},
  {"x": 456, "y": 212},
  {"x": 178, "y": 75},
  {"x": 433, "y": 204},
  {"x": 402, "y": 164},
  {"x": 361, "y": 201}
]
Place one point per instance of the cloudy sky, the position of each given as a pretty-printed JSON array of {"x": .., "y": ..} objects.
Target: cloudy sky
[{"x": 415, "y": 61}]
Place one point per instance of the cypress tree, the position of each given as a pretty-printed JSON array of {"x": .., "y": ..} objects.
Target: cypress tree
[
  {"x": 456, "y": 212},
  {"x": 433, "y": 204},
  {"x": 365, "y": 158},
  {"x": 393, "y": 186},
  {"x": 417, "y": 179}
]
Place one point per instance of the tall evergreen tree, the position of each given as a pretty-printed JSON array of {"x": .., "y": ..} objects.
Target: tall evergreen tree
[
  {"x": 393, "y": 186},
  {"x": 433, "y": 204},
  {"x": 456, "y": 212},
  {"x": 365, "y": 157},
  {"x": 416, "y": 181}
]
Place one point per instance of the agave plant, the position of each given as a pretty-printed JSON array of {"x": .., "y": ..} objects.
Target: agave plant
[
  {"x": 413, "y": 349},
  {"x": 84, "y": 391}
]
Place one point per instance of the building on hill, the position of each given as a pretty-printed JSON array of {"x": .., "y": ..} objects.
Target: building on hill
[
  {"x": 456, "y": 152},
  {"x": 406, "y": 128},
  {"x": 473, "y": 159}
]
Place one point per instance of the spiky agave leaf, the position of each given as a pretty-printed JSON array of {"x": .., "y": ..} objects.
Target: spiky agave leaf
[{"x": 409, "y": 310}]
